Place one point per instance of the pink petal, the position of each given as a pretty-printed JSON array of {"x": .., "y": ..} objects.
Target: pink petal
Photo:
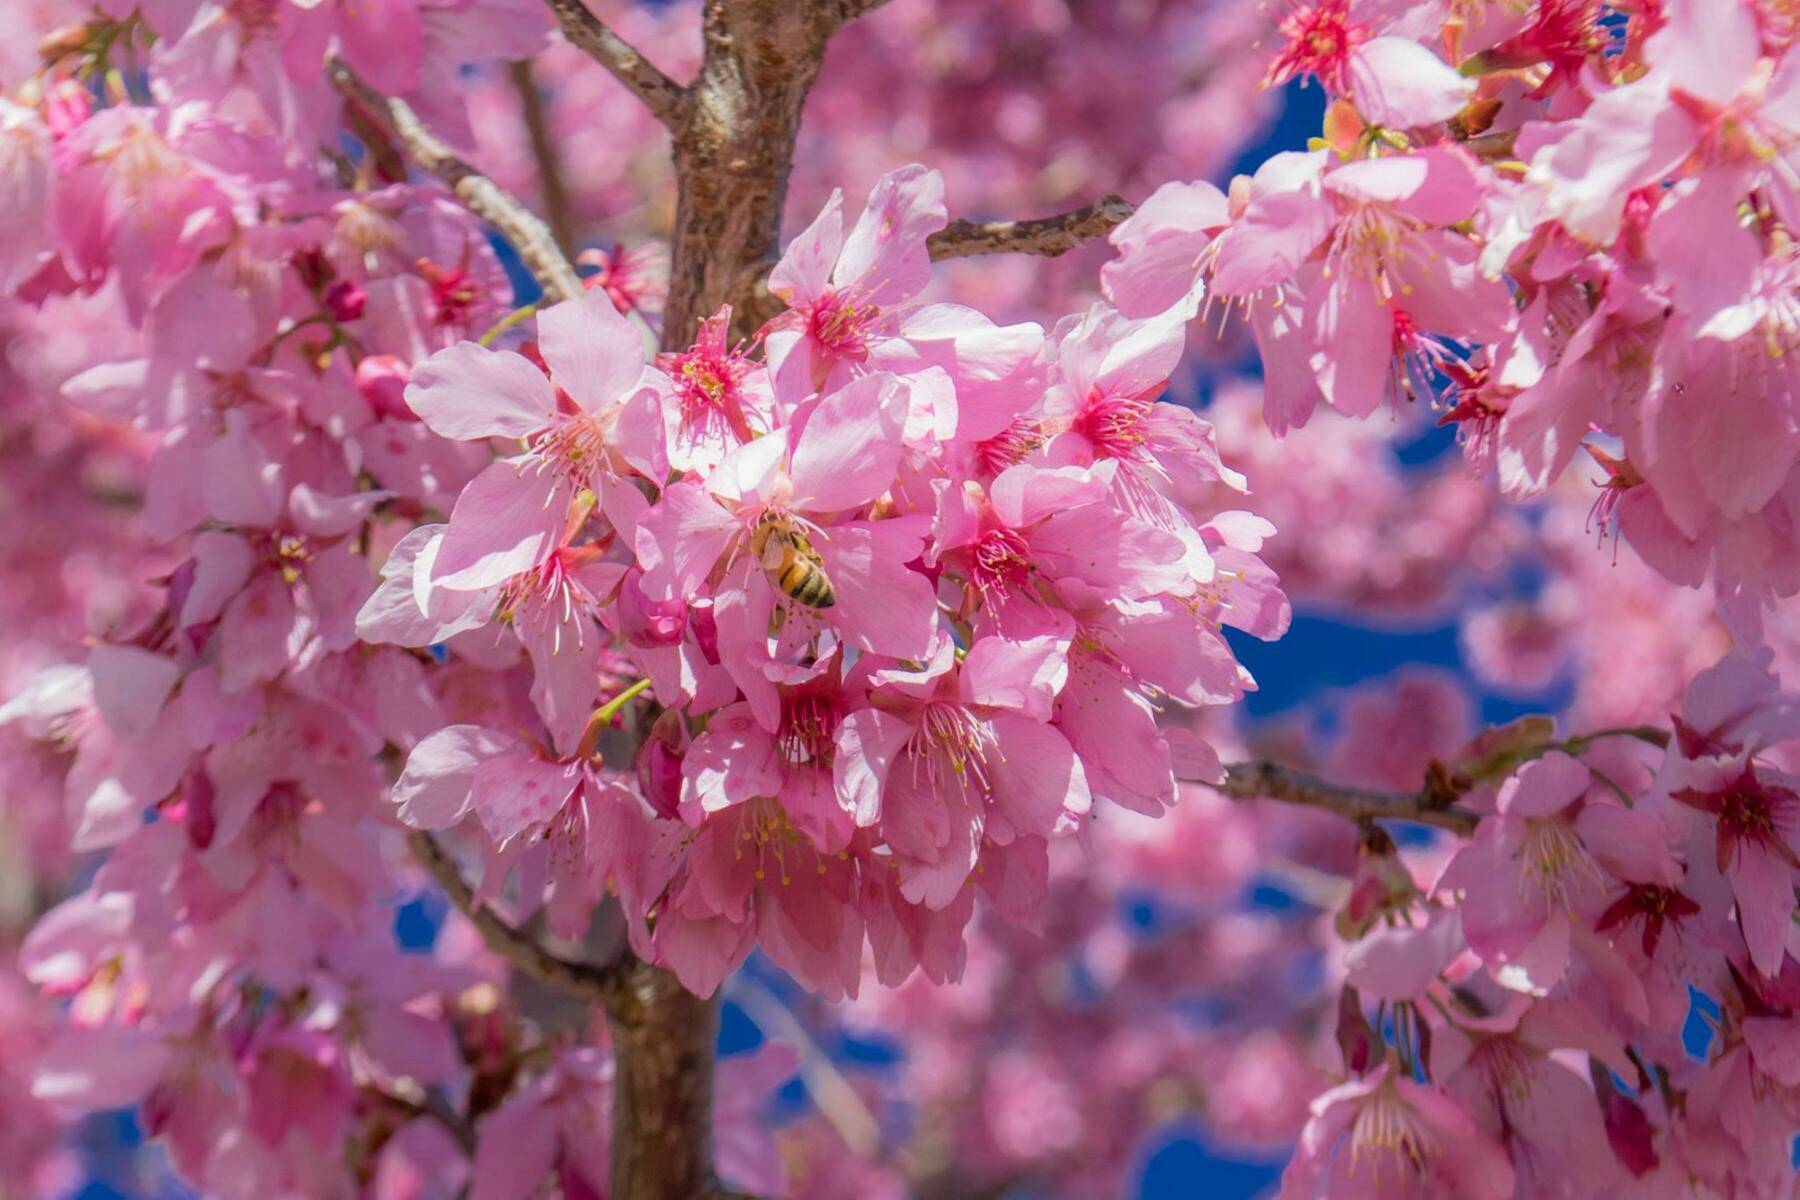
[
  {"x": 1025, "y": 494},
  {"x": 130, "y": 686},
  {"x": 1764, "y": 887},
  {"x": 1283, "y": 225},
  {"x": 733, "y": 762},
  {"x": 512, "y": 793},
  {"x": 469, "y": 392},
  {"x": 565, "y": 667},
  {"x": 885, "y": 257},
  {"x": 434, "y": 789},
  {"x": 883, "y": 606},
  {"x": 107, "y": 1067},
  {"x": 1708, "y": 49},
  {"x": 1159, "y": 249},
  {"x": 1545, "y": 786},
  {"x": 679, "y": 540},
  {"x": 259, "y": 633},
  {"x": 1400, "y": 962},
  {"x": 1020, "y": 675},
  {"x": 594, "y": 352},
  {"x": 850, "y": 448},
  {"x": 1123, "y": 754},
  {"x": 1399, "y": 84},
  {"x": 1036, "y": 778},
  {"x": 805, "y": 267},
  {"x": 506, "y": 521},
  {"x": 867, "y": 743},
  {"x": 1437, "y": 186}
]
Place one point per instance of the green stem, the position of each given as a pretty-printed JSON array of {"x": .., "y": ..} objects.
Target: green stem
[
  {"x": 603, "y": 717},
  {"x": 1648, "y": 734},
  {"x": 507, "y": 322}
]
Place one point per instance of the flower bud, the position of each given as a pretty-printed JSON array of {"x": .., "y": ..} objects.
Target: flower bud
[
  {"x": 645, "y": 622},
  {"x": 1628, "y": 1129},
  {"x": 706, "y": 631},
  {"x": 381, "y": 378},
  {"x": 659, "y": 764},
  {"x": 344, "y": 300},
  {"x": 1356, "y": 1038}
]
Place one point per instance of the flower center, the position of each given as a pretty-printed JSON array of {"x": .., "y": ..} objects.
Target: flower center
[
  {"x": 454, "y": 293},
  {"x": 1002, "y": 562},
  {"x": 951, "y": 746},
  {"x": 1656, "y": 906},
  {"x": 1555, "y": 862},
  {"x": 548, "y": 587},
  {"x": 1749, "y": 814},
  {"x": 707, "y": 387},
  {"x": 1419, "y": 359},
  {"x": 1115, "y": 425},
  {"x": 809, "y": 725},
  {"x": 1009, "y": 446},
  {"x": 1320, "y": 40},
  {"x": 840, "y": 325},
  {"x": 771, "y": 836},
  {"x": 1387, "y": 1130},
  {"x": 573, "y": 444}
]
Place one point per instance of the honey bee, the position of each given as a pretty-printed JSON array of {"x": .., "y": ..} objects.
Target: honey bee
[{"x": 787, "y": 557}]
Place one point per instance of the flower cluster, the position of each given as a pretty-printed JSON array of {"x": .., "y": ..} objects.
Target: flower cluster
[
  {"x": 910, "y": 591},
  {"x": 1565, "y": 225},
  {"x": 1537, "y": 993},
  {"x": 879, "y": 640}
]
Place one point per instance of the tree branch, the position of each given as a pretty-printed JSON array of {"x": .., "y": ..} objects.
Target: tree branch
[
  {"x": 548, "y": 156},
  {"x": 1046, "y": 236},
  {"x": 595, "y": 983},
  {"x": 660, "y": 94},
  {"x": 852, "y": 9},
  {"x": 1264, "y": 780},
  {"x": 482, "y": 196}
]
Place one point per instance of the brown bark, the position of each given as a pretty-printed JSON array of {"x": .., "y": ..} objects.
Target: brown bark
[
  {"x": 734, "y": 132},
  {"x": 1047, "y": 237},
  {"x": 663, "y": 1039},
  {"x": 660, "y": 94},
  {"x": 734, "y": 148},
  {"x": 1264, "y": 780},
  {"x": 551, "y": 185}
]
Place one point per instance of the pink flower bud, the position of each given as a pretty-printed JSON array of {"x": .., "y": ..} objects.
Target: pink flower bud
[
  {"x": 659, "y": 764},
  {"x": 646, "y": 622},
  {"x": 345, "y": 299},
  {"x": 381, "y": 378},
  {"x": 198, "y": 810},
  {"x": 1355, "y": 1038},
  {"x": 1628, "y": 1129}
]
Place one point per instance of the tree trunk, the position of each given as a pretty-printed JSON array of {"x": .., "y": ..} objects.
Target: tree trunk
[
  {"x": 663, "y": 1039},
  {"x": 733, "y": 150}
]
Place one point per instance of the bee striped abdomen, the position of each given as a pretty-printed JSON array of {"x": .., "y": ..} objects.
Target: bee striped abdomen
[{"x": 791, "y": 563}]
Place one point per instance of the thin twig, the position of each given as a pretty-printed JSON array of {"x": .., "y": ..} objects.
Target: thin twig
[
  {"x": 660, "y": 94},
  {"x": 482, "y": 196},
  {"x": 517, "y": 316},
  {"x": 545, "y": 152},
  {"x": 1648, "y": 734},
  {"x": 1266, "y": 780},
  {"x": 1434, "y": 804},
  {"x": 852, "y": 9},
  {"x": 597, "y": 983},
  {"x": 1045, "y": 236}
]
